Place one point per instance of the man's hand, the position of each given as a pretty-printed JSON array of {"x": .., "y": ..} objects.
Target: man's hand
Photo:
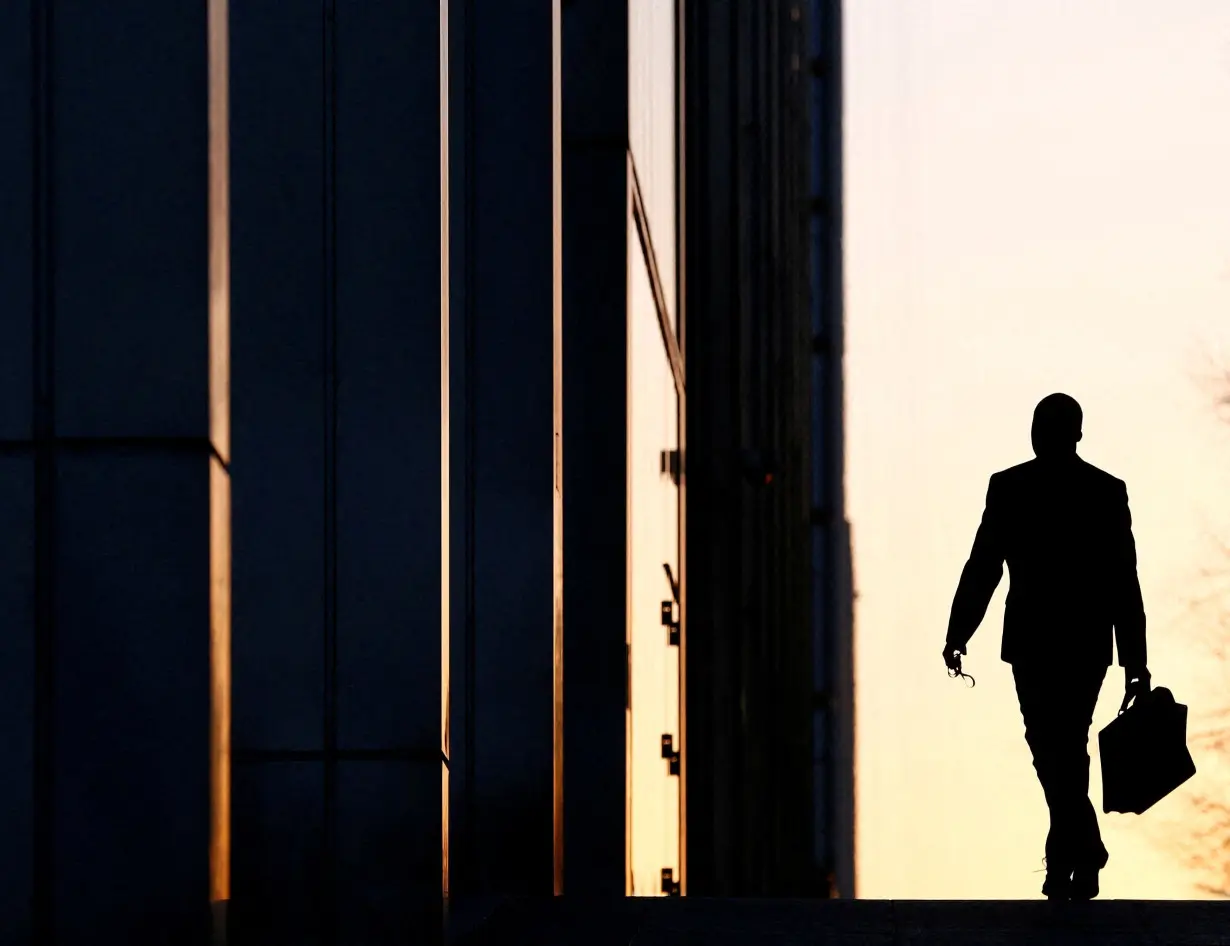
[
  {"x": 952, "y": 660},
  {"x": 1135, "y": 684}
]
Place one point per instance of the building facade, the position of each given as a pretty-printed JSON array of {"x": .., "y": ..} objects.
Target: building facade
[
  {"x": 769, "y": 672},
  {"x": 365, "y": 548}
]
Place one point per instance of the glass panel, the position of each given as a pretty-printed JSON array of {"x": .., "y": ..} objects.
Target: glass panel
[
  {"x": 651, "y": 124},
  {"x": 653, "y": 514}
]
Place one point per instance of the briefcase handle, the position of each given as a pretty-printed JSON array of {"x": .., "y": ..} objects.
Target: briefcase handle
[
  {"x": 1153, "y": 692},
  {"x": 1127, "y": 698}
]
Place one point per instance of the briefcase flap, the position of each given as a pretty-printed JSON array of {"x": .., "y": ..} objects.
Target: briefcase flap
[{"x": 1144, "y": 753}]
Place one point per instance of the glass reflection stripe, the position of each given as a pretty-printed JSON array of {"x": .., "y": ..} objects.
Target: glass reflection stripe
[
  {"x": 674, "y": 355},
  {"x": 219, "y": 449}
]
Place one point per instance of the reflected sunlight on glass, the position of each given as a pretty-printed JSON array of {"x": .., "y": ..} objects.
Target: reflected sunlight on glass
[{"x": 653, "y": 499}]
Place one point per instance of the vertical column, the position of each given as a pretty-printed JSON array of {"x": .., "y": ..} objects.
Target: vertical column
[
  {"x": 280, "y": 386},
  {"x": 387, "y": 469},
  {"x": 128, "y": 358},
  {"x": 338, "y": 430},
  {"x": 18, "y": 249},
  {"x": 105, "y": 472},
  {"x": 715, "y": 580},
  {"x": 595, "y": 380},
  {"x": 506, "y": 650},
  {"x": 750, "y": 643},
  {"x": 832, "y": 582}
]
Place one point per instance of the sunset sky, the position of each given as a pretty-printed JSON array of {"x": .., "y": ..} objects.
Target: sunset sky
[{"x": 1037, "y": 200}]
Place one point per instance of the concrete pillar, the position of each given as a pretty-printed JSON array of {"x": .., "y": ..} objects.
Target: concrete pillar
[
  {"x": 106, "y": 463},
  {"x": 336, "y": 158},
  {"x": 506, "y": 606}
]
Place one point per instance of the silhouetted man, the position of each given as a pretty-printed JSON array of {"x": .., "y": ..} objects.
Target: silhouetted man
[{"x": 1064, "y": 528}]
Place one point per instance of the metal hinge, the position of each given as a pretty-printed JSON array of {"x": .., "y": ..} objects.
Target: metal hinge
[
  {"x": 670, "y": 753},
  {"x": 669, "y": 622},
  {"x": 670, "y": 886}
]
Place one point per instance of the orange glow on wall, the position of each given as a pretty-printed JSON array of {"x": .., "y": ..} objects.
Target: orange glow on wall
[{"x": 219, "y": 477}]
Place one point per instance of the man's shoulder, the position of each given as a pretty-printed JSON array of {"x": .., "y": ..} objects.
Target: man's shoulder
[
  {"x": 1023, "y": 475},
  {"x": 1005, "y": 485},
  {"x": 1013, "y": 474},
  {"x": 1102, "y": 479}
]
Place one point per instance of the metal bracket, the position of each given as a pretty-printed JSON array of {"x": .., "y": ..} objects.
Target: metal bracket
[
  {"x": 670, "y": 886},
  {"x": 670, "y": 753},
  {"x": 669, "y": 622},
  {"x": 670, "y": 462}
]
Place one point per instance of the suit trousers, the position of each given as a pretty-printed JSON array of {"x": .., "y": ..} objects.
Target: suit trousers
[{"x": 1057, "y": 703}]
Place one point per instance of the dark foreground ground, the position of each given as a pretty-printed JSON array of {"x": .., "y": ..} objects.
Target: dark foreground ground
[{"x": 697, "y": 922}]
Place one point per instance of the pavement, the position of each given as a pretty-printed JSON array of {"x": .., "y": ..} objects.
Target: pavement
[{"x": 692, "y": 921}]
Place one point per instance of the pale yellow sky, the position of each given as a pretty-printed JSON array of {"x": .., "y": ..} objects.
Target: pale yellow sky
[{"x": 1037, "y": 200}]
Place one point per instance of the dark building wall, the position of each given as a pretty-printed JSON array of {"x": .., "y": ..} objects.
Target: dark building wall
[
  {"x": 105, "y": 457},
  {"x": 336, "y": 348},
  {"x": 753, "y": 635},
  {"x": 18, "y": 568},
  {"x": 337, "y": 380},
  {"x": 595, "y": 377},
  {"x": 832, "y": 584},
  {"x": 506, "y": 601}
]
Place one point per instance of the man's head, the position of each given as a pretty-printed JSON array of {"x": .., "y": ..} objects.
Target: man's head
[{"x": 1057, "y": 426}]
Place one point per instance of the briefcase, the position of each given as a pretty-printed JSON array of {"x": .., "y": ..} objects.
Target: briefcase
[{"x": 1144, "y": 753}]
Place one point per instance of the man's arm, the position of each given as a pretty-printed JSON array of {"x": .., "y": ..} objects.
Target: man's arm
[
  {"x": 981, "y": 574},
  {"x": 1127, "y": 603}
]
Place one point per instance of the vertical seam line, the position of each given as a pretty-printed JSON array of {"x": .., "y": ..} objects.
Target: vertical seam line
[
  {"x": 470, "y": 865},
  {"x": 42, "y": 316},
  {"x": 329, "y": 341}
]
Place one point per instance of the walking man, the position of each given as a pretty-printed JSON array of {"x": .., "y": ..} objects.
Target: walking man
[{"x": 1064, "y": 528}]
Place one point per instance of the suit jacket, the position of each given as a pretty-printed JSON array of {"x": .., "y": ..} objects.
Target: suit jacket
[{"x": 1064, "y": 528}]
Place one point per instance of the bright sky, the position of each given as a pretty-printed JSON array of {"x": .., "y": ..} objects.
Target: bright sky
[{"x": 1037, "y": 200}]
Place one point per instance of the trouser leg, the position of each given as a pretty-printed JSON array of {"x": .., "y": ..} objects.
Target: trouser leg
[{"x": 1057, "y": 707}]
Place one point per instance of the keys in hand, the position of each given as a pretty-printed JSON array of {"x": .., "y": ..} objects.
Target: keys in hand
[{"x": 952, "y": 660}]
